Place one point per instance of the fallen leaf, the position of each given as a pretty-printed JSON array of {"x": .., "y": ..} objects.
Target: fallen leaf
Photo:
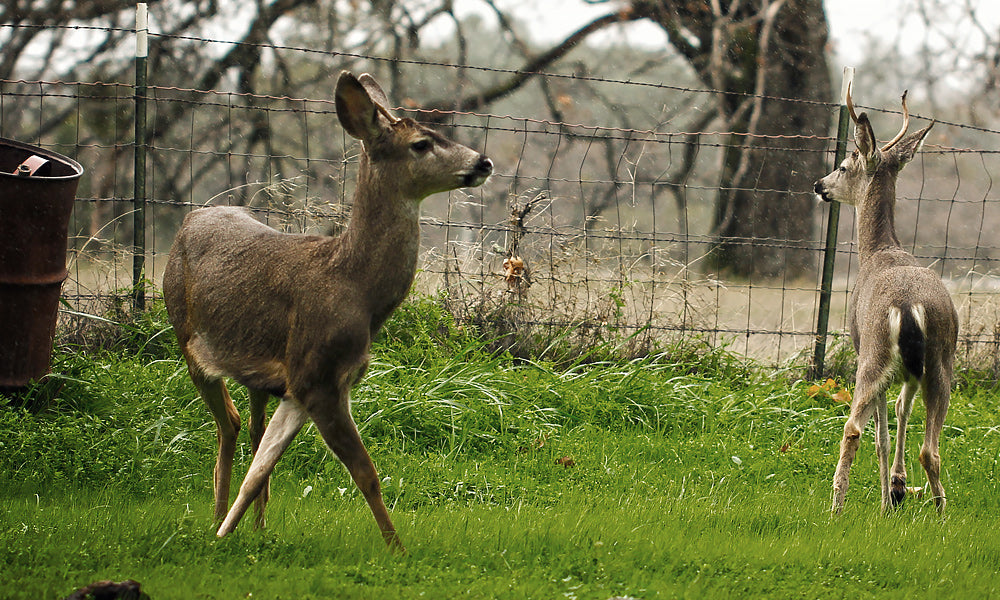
[
  {"x": 842, "y": 396},
  {"x": 566, "y": 462}
]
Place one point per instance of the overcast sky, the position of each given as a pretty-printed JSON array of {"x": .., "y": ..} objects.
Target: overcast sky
[{"x": 852, "y": 23}]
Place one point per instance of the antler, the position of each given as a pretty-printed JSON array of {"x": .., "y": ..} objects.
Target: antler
[
  {"x": 902, "y": 131},
  {"x": 850, "y": 105}
]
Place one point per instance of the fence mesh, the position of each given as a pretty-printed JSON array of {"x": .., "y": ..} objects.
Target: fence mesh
[{"x": 613, "y": 224}]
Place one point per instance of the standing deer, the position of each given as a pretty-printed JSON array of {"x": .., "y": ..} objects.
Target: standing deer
[
  {"x": 294, "y": 315},
  {"x": 902, "y": 320}
]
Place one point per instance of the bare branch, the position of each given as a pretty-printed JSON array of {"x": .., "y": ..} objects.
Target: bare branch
[{"x": 532, "y": 67}]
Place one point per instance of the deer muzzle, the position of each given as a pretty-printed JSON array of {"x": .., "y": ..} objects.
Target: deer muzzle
[
  {"x": 479, "y": 173},
  {"x": 821, "y": 191}
]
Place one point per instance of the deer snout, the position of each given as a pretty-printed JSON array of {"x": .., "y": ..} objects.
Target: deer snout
[
  {"x": 820, "y": 190},
  {"x": 480, "y": 172}
]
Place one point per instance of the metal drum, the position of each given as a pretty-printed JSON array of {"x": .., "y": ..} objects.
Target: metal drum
[{"x": 37, "y": 191}]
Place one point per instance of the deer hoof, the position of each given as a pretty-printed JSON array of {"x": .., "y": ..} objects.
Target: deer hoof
[{"x": 898, "y": 491}]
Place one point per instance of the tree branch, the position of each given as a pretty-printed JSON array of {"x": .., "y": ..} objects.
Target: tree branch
[
  {"x": 245, "y": 54},
  {"x": 531, "y": 68}
]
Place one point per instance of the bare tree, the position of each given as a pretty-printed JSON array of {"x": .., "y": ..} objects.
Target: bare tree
[
  {"x": 949, "y": 56},
  {"x": 766, "y": 59},
  {"x": 756, "y": 55}
]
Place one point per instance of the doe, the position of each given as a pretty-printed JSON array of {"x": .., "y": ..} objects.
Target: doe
[
  {"x": 902, "y": 320},
  {"x": 293, "y": 315}
]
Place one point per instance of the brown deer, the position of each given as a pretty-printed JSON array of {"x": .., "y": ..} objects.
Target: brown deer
[
  {"x": 294, "y": 315},
  {"x": 902, "y": 320}
]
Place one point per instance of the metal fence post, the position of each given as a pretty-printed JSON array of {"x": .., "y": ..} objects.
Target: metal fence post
[
  {"x": 139, "y": 178},
  {"x": 832, "y": 227}
]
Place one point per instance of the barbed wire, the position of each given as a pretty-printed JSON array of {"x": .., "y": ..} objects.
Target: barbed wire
[
  {"x": 481, "y": 232},
  {"x": 623, "y": 133},
  {"x": 487, "y": 69}
]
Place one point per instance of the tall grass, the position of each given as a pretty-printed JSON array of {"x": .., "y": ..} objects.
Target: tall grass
[{"x": 684, "y": 473}]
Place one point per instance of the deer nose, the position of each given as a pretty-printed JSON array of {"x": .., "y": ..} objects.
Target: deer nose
[
  {"x": 484, "y": 165},
  {"x": 821, "y": 192},
  {"x": 479, "y": 173}
]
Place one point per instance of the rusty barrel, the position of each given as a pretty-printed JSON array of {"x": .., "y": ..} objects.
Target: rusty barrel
[{"x": 37, "y": 191}]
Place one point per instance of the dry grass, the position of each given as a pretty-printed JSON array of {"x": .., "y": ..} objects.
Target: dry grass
[{"x": 577, "y": 291}]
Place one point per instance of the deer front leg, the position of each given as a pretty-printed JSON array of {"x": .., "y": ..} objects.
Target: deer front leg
[
  {"x": 904, "y": 407},
  {"x": 340, "y": 433},
  {"x": 287, "y": 421}
]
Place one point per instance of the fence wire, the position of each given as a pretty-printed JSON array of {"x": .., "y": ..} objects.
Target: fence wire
[{"x": 613, "y": 224}]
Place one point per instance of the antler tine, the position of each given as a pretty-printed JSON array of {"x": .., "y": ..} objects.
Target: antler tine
[
  {"x": 902, "y": 131},
  {"x": 850, "y": 105}
]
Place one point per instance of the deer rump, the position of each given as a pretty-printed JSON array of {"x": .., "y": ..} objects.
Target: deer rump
[{"x": 909, "y": 300}]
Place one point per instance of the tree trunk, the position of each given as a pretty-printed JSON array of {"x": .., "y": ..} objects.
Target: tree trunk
[
  {"x": 755, "y": 57},
  {"x": 764, "y": 216}
]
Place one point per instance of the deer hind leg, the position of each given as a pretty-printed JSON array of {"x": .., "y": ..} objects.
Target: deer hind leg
[
  {"x": 339, "y": 432},
  {"x": 882, "y": 444},
  {"x": 287, "y": 420},
  {"x": 937, "y": 395},
  {"x": 870, "y": 390},
  {"x": 227, "y": 422},
  {"x": 904, "y": 407},
  {"x": 258, "y": 415}
]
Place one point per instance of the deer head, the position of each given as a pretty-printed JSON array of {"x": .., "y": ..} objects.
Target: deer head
[
  {"x": 869, "y": 164},
  {"x": 418, "y": 159}
]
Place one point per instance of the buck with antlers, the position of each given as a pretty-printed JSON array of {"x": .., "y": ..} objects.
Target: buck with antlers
[
  {"x": 902, "y": 320},
  {"x": 294, "y": 315}
]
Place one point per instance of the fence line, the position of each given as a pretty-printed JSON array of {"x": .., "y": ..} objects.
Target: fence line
[{"x": 618, "y": 244}]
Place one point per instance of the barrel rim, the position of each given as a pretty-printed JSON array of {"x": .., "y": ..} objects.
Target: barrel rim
[{"x": 49, "y": 154}]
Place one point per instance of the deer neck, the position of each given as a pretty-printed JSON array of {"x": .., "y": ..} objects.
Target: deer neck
[
  {"x": 877, "y": 217},
  {"x": 382, "y": 239}
]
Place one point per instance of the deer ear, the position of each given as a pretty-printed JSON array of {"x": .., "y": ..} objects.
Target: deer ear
[
  {"x": 355, "y": 108},
  {"x": 375, "y": 91},
  {"x": 864, "y": 137},
  {"x": 908, "y": 147}
]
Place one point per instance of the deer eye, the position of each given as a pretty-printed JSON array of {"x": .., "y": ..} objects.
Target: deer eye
[
  {"x": 421, "y": 146},
  {"x": 842, "y": 169}
]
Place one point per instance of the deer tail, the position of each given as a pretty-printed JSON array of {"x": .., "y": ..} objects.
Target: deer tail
[{"x": 911, "y": 338}]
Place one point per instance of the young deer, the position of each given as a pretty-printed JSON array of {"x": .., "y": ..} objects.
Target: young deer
[
  {"x": 294, "y": 315},
  {"x": 902, "y": 320}
]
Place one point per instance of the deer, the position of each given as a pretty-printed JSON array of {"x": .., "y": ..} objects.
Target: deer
[
  {"x": 293, "y": 315},
  {"x": 902, "y": 321}
]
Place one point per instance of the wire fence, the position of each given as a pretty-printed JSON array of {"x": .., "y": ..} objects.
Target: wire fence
[{"x": 613, "y": 225}]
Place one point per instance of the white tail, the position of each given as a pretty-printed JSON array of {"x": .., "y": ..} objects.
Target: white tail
[
  {"x": 293, "y": 315},
  {"x": 902, "y": 320}
]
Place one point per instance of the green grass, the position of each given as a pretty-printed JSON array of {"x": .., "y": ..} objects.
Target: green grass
[{"x": 694, "y": 475}]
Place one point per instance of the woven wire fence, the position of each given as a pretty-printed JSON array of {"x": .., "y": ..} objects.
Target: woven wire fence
[{"x": 613, "y": 243}]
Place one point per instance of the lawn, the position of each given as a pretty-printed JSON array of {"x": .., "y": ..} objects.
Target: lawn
[{"x": 687, "y": 473}]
